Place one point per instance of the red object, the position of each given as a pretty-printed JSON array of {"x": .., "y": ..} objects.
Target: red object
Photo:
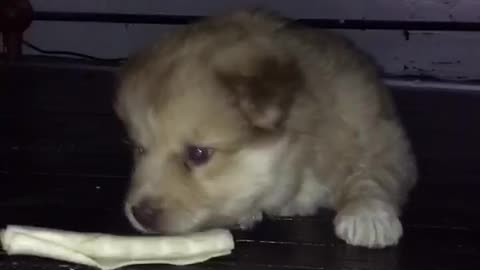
[{"x": 15, "y": 17}]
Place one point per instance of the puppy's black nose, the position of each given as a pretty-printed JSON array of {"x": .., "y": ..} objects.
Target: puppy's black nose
[{"x": 146, "y": 214}]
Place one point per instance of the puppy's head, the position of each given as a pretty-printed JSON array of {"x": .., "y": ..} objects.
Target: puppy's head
[{"x": 206, "y": 120}]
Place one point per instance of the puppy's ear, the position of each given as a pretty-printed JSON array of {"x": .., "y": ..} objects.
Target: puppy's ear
[{"x": 264, "y": 88}]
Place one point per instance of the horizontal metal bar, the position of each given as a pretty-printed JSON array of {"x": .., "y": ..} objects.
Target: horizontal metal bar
[{"x": 320, "y": 23}]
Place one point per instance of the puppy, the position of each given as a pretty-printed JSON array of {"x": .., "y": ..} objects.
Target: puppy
[{"x": 248, "y": 114}]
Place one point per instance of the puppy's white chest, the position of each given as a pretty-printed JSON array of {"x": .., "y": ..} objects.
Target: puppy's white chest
[{"x": 311, "y": 195}]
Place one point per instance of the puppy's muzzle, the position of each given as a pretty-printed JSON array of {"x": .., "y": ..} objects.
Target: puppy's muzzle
[{"x": 144, "y": 216}]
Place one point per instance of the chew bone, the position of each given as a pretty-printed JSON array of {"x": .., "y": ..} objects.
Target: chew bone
[{"x": 109, "y": 251}]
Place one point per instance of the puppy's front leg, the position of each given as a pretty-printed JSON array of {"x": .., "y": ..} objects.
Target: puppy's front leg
[{"x": 368, "y": 203}]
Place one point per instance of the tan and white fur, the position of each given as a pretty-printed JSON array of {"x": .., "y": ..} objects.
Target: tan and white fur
[{"x": 294, "y": 118}]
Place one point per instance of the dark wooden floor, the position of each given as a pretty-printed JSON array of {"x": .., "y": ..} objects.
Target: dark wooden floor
[{"x": 63, "y": 165}]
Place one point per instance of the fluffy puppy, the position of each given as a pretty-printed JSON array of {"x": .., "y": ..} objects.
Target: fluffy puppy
[{"x": 248, "y": 114}]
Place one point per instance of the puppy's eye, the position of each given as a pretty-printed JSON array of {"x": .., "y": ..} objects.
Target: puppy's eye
[{"x": 197, "y": 155}]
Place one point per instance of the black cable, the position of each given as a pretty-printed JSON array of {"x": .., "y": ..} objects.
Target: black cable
[{"x": 75, "y": 54}]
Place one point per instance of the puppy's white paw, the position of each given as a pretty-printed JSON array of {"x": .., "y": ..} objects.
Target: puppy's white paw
[{"x": 368, "y": 224}]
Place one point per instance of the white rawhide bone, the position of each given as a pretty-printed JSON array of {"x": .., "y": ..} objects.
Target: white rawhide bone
[{"x": 109, "y": 251}]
